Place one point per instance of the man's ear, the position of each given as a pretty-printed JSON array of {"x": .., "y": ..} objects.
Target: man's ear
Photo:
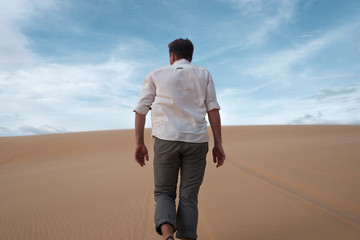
[{"x": 172, "y": 58}]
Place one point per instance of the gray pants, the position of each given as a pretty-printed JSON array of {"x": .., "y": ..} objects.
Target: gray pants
[{"x": 169, "y": 158}]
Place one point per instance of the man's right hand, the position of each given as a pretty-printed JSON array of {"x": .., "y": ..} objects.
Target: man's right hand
[{"x": 141, "y": 154}]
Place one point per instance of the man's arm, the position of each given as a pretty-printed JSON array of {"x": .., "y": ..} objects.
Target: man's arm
[
  {"x": 141, "y": 152},
  {"x": 218, "y": 151}
]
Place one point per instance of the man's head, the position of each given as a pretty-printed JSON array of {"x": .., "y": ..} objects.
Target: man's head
[{"x": 181, "y": 48}]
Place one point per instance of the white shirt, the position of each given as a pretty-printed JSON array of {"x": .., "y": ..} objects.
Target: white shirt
[{"x": 179, "y": 96}]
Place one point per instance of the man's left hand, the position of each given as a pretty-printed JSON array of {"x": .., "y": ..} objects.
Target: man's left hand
[{"x": 141, "y": 153}]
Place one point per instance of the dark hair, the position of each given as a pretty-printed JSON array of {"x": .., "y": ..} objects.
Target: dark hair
[{"x": 182, "y": 48}]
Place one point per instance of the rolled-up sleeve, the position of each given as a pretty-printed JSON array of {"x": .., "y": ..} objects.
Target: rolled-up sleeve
[
  {"x": 211, "y": 101},
  {"x": 146, "y": 97}
]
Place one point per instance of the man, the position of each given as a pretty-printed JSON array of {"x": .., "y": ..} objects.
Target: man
[{"x": 179, "y": 96}]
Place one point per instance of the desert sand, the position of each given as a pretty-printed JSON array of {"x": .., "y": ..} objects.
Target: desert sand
[{"x": 278, "y": 182}]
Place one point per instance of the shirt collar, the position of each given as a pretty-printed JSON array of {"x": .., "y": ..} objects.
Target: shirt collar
[{"x": 182, "y": 61}]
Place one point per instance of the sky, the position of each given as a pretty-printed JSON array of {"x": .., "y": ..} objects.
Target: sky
[{"x": 70, "y": 66}]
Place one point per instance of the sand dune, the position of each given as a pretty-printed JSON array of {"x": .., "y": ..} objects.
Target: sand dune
[{"x": 279, "y": 182}]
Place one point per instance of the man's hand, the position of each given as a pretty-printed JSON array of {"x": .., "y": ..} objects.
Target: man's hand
[
  {"x": 218, "y": 151},
  {"x": 141, "y": 153},
  {"x": 218, "y": 155}
]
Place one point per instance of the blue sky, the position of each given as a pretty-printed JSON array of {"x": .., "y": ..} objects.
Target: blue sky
[{"x": 78, "y": 65}]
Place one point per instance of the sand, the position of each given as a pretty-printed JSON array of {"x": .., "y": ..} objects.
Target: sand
[{"x": 278, "y": 182}]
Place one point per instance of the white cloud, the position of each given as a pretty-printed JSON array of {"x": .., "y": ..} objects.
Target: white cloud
[
  {"x": 284, "y": 14},
  {"x": 279, "y": 66},
  {"x": 37, "y": 96},
  {"x": 268, "y": 16},
  {"x": 326, "y": 94},
  {"x": 308, "y": 119},
  {"x": 134, "y": 48},
  {"x": 260, "y": 7},
  {"x": 336, "y": 105},
  {"x": 256, "y": 21},
  {"x": 15, "y": 14},
  {"x": 46, "y": 129},
  {"x": 80, "y": 97}
]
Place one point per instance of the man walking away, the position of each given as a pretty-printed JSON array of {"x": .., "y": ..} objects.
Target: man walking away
[{"x": 179, "y": 96}]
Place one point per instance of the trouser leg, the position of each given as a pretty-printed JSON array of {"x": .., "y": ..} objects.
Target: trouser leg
[
  {"x": 166, "y": 169},
  {"x": 193, "y": 164}
]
